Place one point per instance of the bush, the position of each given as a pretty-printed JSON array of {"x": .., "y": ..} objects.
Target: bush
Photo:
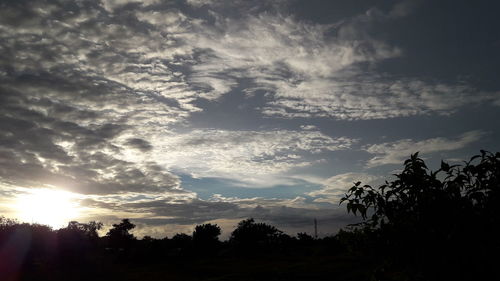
[{"x": 441, "y": 222}]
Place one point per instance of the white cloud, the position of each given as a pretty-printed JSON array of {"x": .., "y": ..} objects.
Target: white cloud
[
  {"x": 305, "y": 70},
  {"x": 111, "y": 5},
  {"x": 396, "y": 152},
  {"x": 257, "y": 158},
  {"x": 273, "y": 49},
  {"x": 199, "y": 3},
  {"x": 269, "y": 203},
  {"x": 308, "y": 127},
  {"x": 335, "y": 187},
  {"x": 308, "y": 73},
  {"x": 144, "y": 76},
  {"x": 370, "y": 97}
]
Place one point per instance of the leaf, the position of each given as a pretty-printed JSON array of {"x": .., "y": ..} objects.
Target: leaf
[
  {"x": 445, "y": 166},
  {"x": 359, "y": 192},
  {"x": 475, "y": 157}
]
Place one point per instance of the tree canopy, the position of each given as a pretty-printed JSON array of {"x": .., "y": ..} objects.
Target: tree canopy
[
  {"x": 248, "y": 233},
  {"x": 435, "y": 219},
  {"x": 206, "y": 233},
  {"x": 119, "y": 235}
]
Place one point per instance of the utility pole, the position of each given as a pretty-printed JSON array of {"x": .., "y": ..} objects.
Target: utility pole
[{"x": 315, "y": 229}]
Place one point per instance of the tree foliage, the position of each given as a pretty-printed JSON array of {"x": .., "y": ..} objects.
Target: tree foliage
[
  {"x": 89, "y": 229},
  {"x": 119, "y": 235},
  {"x": 249, "y": 233},
  {"x": 205, "y": 234},
  {"x": 182, "y": 241},
  {"x": 436, "y": 219}
]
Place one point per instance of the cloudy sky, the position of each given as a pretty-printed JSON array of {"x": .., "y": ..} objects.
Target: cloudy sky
[{"x": 175, "y": 113}]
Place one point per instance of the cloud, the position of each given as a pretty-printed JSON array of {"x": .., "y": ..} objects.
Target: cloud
[
  {"x": 336, "y": 187},
  {"x": 58, "y": 135},
  {"x": 307, "y": 72},
  {"x": 275, "y": 51},
  {"x": 161, "y": 217},
  {"x": 199, "y": 3},
  {"x": 365, "y": 97},
  {"x": 91, "y": 95},
  {"x": 396, "y": 152},
  {"x": 292, "y": 215},
  {"x": 78, "y": 89},
  {"x": 168, "y": 60},
  {"x": 251, "y": 158},
  {"x": 139, "y": 144},
  {"x": 112, "y": 5}
]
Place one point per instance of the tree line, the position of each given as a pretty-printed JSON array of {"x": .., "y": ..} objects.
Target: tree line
[
  {"x": 25, "y": 247},
  {"x": 248, "y": 237}
]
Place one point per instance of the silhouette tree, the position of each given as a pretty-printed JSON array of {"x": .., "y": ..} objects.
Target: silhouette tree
[
  {"x": 7, "y": 223},
  {"x": 87, "y": 229},
  {"x": 438, "y": 222},
  {"x": 148, "y": 239},
  {"x": 182, "y": 243},
  {"x": 206, "y": 236},
  {"x": 77, "y": 241},
  {"x": 119, "y": 236},
  {"x": 304, "y": 237},
  {"x": 249, "y": 234},
  {"x": 182, "y": 239}
]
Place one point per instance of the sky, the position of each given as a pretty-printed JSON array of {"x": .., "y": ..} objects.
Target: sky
[{"x": 177, "y": 113}]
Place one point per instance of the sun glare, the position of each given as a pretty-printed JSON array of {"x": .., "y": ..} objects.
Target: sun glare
[{"x": 51, "y": 207}]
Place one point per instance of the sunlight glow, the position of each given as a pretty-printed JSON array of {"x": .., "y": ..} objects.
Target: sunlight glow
[{"x": 51, "y": 207}]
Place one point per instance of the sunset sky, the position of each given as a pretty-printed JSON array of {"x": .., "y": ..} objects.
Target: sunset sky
[{"x": 176, "y": 113}]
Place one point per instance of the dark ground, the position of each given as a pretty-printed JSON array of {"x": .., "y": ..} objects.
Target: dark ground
[{"x": 269, "y": 267}]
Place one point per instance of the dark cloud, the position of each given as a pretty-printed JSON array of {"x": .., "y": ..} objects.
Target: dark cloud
[
  {"x": 61, "y": 116},
  {"x": 140, "y": 144},
  {"x": 56, "y": 134},
  {"x": 195, "y": 211}
]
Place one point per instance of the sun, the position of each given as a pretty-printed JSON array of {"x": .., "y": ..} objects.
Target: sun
[{"x": 51, "y": 207}]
